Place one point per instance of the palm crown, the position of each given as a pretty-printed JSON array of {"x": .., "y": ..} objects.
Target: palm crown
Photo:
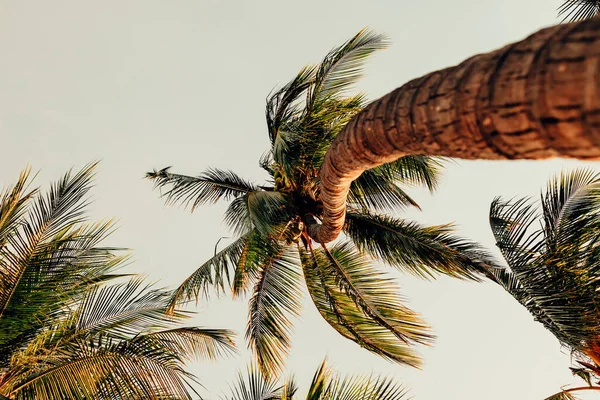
[
  {"x": 65, "y": 333},
  {"x": 273, "y": 251},
  {"x": 553, "y": 257},
  {"x": 325, "y": 385}
]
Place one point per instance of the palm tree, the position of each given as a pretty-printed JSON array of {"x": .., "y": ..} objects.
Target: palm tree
[
  {"x": 272, "y": 249},
  {"x": 66, "y": 333},
  {"x": 533, "y": 99},
  {"x": 579, "y": 10},
  {"x": 324, "y": 386},
  {"x": 553, "y": 258}
]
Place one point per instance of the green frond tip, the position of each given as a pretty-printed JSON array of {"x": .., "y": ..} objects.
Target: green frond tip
[
  {"x": 342, "y": 67},
  {"x": 552, "y": 249},
  {"x": 326, "y": 385},
  {"x": 422, "y": 251},
  {"x": 362, "y": 307},
  {"x": 65, "y": 333},
  {"x": 274, "y": 304},
  {"x": 207, "y": 188}
]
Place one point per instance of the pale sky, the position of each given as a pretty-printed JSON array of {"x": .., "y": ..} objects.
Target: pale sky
[{"x": 145, "y": 84}]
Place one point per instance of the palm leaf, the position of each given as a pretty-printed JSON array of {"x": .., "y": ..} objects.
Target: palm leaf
[
  {"x": 415, "y": 170},
  {"x": 215, "y": 272},
  {"x": 13, "y": 205},
  {"x": 256, "y": 253},
  {"x": 185, "y": 342},
  {"x": 372, "y": 190},
  {"x": 556, "y": 265},
  {"x": 48, "y": 216},
  {"x": 423, "y": 251},
  {"x": 364, "y": 388},
  {"x": 320, "y": 381},
  {"x": 578, "y": 10},
  {"x": 275, "y": 300},
  {"x": 257, "y": 386},
  {"x": 265, "y": 211},
  {"x": 342, "y": 67},
  {"x": 374, "y": 293},
  {"x": 123, "y": 310},
  {"x": 131, "y": 376},
  {"x": 53, "y": 284},
  {"x": 342, "y": 313},
  {"x": 208, "y": 187},
  {"x": 281, "y": 105}
]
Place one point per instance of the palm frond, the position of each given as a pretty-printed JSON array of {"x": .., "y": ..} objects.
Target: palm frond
[
  {"x": 578, "y": 10},
  {"x": 49, "y": 216},
  {"x": 511, "y": 224},
  {"x": 320, "y": 382},
  {"x": 13, "y": 205},
  {"x": 570, "y": 207},
  {"x": 378, "y": 188},
  {"x": 191, "y": 341},
  {"x": 257, "y": 252},
  {"x": 304, "y": 140},
  {"x": 52, "y": 284},
  {"x": 342, "y": 67},
  {"x": 364, "y": 388},
  {"x": 208, "y": 187},
  {"x": 275, "y": 301},
  {"x": 375, "y": 191},
  {"x": 374, "y": 293},
  {"x": 124, "y": 310},
  {"x": 262, "y": 210},
  {"x": 256, "y": 386},
  {"x": 268, "y": 211},
  {"x": 343, "y": 314},
  {"x": 415, "y": 170},
  {"x": 423, "y": 251},
  {"x": 281, "y": 105},
  {"x": 556, "y": 264},
  {"x": 289, "y": 389},
  {"x": 215, "y": 272},
  {"x": 128, "y": 375}
]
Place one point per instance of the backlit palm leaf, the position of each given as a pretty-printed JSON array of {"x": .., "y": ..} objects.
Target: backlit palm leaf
[
  {"x": 282, "y": 105},
  {"x": 423, "y": 251},
  {"x": 208, "y": 187},
  {"x": 325, "y": 385},
  {"x": 256, "y": 386},
  {"x": 342, "y": 67},
  {"x": 374, "y": 293},
  {"x": 276, "y": 299},
  {"x": 555, "y": 264},
  {"x": 553, "y": 267},
  {"x": 63, "y": 334},
  {"x": 215, "y": 273},
  {"x": 47, "y": 217},
  {"x": 342, "y": 313}
]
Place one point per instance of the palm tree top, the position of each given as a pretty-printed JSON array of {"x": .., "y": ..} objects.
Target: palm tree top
[
  {"x": 552, "y": 251},
  {"x": 272, "y": 252},
  {"x": 65, "y": 332}
]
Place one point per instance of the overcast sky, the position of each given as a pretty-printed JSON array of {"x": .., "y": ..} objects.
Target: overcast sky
[{"x": 147, "y": 84}]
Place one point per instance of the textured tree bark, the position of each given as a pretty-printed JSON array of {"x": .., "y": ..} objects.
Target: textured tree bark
[{"x": 534, "y": 99}]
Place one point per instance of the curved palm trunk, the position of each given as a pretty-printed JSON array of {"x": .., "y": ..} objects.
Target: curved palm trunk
[{"x": 534, "y": 99}]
